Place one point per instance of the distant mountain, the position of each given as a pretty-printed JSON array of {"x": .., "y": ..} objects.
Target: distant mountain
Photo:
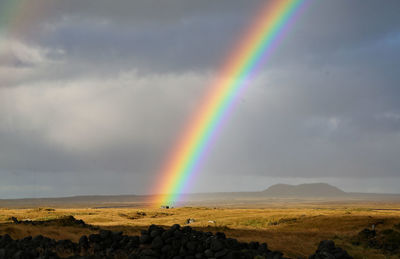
[
  {"x": 304, "y": 190},
  {"x": 276, "y": 195}
]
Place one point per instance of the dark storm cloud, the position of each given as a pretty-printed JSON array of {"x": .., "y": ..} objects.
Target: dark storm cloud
[
  {"x": 185, "y": 35},
  {"x": 93, "y": 94},
  {"x": 193, "y": 35}
]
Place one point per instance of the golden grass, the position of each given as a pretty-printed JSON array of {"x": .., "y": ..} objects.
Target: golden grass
[{"x": 295, "y": 231}]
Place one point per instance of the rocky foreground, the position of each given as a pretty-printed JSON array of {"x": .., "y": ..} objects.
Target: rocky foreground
[{"x": 155, "y": 242}]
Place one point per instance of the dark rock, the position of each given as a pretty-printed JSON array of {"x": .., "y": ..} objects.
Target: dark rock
[
  {"x": 326, "y": 245},
  {"x": 178, "y": 234},
  {"x": 37, "y": 239},
  {"x": 96, "y": 247},
  {"x": 116, "y": 237},
  {"x": 263, "y": 247},
  {"x": 220, "y": 235},
  {"x": 134, "y": 239},
  {"x": 340, "y": 253},
  {"x": 19, "y": 255},
  {"x": 209, "y": 253},
  {"x": 153, "y": 227},
  {"x": 167, "y": 234},
  {"x": 184, "y": 240},
  {"x": 191, "y": 246},
  {"x": 216, "y": 245},
  {"x": 175, "y": 227},
  {"x": 221, "y": 253},
  {"x": 117, "y": 234},
  {"x": 148, "y": 257},
  {"x": 169, "y": 240},
  {"x": 328, "y": 250},
  {"x": 166, "y": 249},
  {"x": 133, "y": 255},
  {"x": 254, "y": 245},
  {"x": 235, "y": 255},
  {"x": 26, "y": 239},
  {"x": 154, "y": 233},
  {"x": 200, "y": 247},
  {"x": 105, "y": 234},
  {"x": 149, "y": 252},
  {"x": 176, "y": 242},
  {"x": 157, "y": 243},
  {"x": 110, "y": 251},
  {"x": 133, "y": 243},
  {"x": 84, "y": 242},
  {"x": 94, "y": 238},
  {"x": 186, "y": 229},
  {"x": 183, "y": 251},
  {"x": 275, "y": 255},
  {"x": 232, "y": 243},
  {"x": 145, "y": 239},
  {"x": 367, "y": 233},
  {"x": 390, "y": 240}
]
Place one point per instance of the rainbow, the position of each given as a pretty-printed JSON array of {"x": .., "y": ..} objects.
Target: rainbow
[
  {"x": 18, "y": 16},
  {"x": 8, "y": 9},
  {"x": 246, "y": 58}
]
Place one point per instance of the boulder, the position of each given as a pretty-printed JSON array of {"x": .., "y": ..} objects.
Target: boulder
[
  {"x": 328, "y": 250},
  {"x": 157, "y": 243}
]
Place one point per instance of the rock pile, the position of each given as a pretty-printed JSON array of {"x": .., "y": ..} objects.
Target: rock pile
[
  {"x": 62, "y": 221},
  {"x": 327, "y": 249},
  {"x": 176, "y": 242},
  {"x": 387, "y": 240}
]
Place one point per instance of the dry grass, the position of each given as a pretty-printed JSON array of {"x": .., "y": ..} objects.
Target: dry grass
[{"x": 295, "y": 231}]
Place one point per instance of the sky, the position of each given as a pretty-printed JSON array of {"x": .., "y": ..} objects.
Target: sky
[{"x": 94, "y": 94}]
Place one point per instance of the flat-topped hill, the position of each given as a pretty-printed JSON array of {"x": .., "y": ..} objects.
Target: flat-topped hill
[{"x": 304, "y": 190}]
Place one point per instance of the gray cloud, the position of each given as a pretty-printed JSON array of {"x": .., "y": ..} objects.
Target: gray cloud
[{"x": 94, "y": 93}]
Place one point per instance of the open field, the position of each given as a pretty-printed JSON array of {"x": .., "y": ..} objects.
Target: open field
[{"x": 294, "y": 230}]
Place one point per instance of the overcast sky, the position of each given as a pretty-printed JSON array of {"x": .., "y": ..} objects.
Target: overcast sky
[{"x": 94, "y": 94}]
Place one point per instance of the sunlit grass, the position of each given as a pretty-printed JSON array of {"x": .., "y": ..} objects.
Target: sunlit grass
[{"x": 295, "y": 231}]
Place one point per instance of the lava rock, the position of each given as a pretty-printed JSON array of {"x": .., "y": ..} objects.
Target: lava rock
[
  {"x": 221, "y": 253},
  {"x": 216, "y": 245},
  {"x": 155, "y": 242},
  {"x": 145, "y": 239},
  {"x": 328, "y": 250},
  {"x": 209, "y": 253},
  {"x": 94, "y": 238},
  {"x": 105, "y": 234},
  {"x": 83, "y": 242}
]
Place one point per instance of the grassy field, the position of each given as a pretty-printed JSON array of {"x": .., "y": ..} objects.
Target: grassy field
[{"x": 294, "y": 231}]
